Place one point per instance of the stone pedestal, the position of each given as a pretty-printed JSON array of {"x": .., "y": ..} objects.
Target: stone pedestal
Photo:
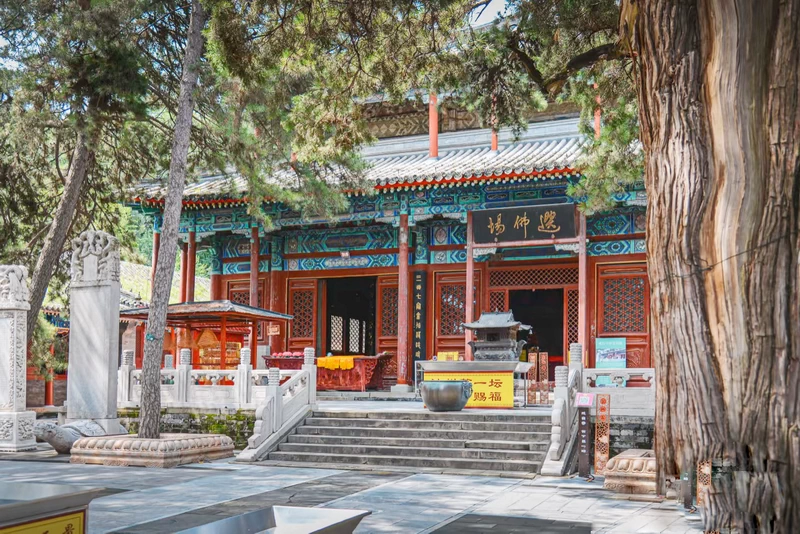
[
  {"x": 633, "y": 471},
  {"x": 16, "y": 424},
  {"x": 169, "y": 450},
  {"x": 94, "y": 330}
]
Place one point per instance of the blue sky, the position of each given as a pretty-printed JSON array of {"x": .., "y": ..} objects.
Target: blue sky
[{"x": 490, "y": 12}]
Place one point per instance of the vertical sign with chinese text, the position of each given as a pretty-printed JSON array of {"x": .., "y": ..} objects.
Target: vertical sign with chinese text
[{"x": 418, "y": 318}]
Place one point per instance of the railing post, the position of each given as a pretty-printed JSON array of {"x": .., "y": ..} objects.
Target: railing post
[
  {"x": 576, "y": 361},
  {"x": 274, "y": 391},
  {"x": 310, "y": 365},
  {"x": 183, "y": 376},
  {"x": 124, "y": 377},
  {"x": 243, "y": 381}
]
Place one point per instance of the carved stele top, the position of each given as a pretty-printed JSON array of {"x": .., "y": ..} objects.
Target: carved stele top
[
  {"x": 14, "y": 287},
  {"x": 95, "y": 257}
]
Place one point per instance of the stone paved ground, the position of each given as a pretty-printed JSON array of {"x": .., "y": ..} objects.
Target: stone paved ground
[{"x": 160, "y": 501}]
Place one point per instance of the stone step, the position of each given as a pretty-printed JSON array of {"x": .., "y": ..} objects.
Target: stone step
[
  {"x": 430, "y": 452},
  {"x": 506, "y": 445},
  {"x": 428, "y": 425},
  {"x": 422, "y": 433},
  {"x": 468, "y": 415},
  {"x": 540, "y": 446},
  {"x": 404, "y": 461}
]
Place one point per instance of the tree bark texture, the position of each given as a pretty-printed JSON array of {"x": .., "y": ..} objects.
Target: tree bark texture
[
  {"x": 150, "y": 414},
  {"x": 719, "y": 93},
  {"x": 59, "y": 227}
]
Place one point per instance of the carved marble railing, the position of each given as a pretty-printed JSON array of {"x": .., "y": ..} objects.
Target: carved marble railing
[
  {"x": 283, "y": 408},
  {"x": 632, "y": 390},
  {"x": 183, "y": 387},
  {"x": 564, "y": 420}
]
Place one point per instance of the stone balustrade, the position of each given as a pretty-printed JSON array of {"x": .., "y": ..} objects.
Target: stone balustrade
[
  {"x": 632, "y": 390},
  {"x": 183, "y": 387}
]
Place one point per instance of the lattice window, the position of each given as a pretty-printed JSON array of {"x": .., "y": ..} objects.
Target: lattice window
[
  {"x": 242, "y": 296},
  {"x": 354, "y": 344},
  {"x": 389, "y": 311},
  {"x": 572, "y": 317},
  {"x": 623, "y": 304},
  {"x": 497, "y": 301},
  {"x": 337, "y": 332},
  {"x": 453, "y": 309},
  {"x": 534, "y": 277},
  {"x": 303, "y": 312}
]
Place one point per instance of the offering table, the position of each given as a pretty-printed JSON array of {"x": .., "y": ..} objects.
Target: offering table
[{"x": 341, "y": 373}]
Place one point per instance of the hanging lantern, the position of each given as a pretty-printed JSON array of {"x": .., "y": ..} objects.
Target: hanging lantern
[{"x": 207, "y": 339}]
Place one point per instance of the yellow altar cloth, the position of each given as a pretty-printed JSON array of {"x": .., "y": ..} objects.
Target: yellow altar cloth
[{"x": 336, "y": 362}]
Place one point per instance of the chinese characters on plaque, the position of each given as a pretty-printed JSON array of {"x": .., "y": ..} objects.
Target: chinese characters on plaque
[
  {"x": 523, "y": 224},
  {"x": 418, "y": 315},
  {"x": 489, "y": 389}
]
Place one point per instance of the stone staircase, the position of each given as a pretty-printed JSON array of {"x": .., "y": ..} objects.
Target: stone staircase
[{"x": 420, "y": 439}]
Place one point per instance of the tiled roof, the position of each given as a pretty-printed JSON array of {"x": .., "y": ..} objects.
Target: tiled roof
[{"x": 546, "y": 150}]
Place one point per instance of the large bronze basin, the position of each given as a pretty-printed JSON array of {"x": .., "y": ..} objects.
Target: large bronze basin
[{"x": 445, "y": 395}]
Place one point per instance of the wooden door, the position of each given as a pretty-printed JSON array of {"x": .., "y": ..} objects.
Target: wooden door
[
  {"x": 450, "y": 310},
  {"x": 623, "y": 309},
  {"x": 386, "y": 329},
  {"x": 239, "y": 292},
  {"x": 303, "y": 307}
]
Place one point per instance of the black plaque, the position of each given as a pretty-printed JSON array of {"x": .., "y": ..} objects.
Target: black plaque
[
  {"x": 584, "y": 445},
  {"x": 524, "y": 224},
  {"x": 418, "y": 314}
]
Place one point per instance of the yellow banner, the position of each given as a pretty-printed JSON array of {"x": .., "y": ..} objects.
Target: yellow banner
[
  {"x": 71, "y": 523},
  {"x": 489, "y": 390}
]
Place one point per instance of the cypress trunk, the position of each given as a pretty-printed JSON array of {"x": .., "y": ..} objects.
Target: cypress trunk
[
  {"x": 719, "y": 94},
  {"x": 150, "y": 414},
  {"x": 59, "y": 227}
]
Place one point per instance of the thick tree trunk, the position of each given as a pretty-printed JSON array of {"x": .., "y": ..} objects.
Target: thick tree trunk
[
  {"x": 719, "y": 97},
  {"x": 150, "y": 414},
  {"x": 59, "y": 227}
]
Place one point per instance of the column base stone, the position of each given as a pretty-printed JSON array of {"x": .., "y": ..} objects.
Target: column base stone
[
  {"x": 16, "y": 431},
  {"x": 402, "y": 388}
]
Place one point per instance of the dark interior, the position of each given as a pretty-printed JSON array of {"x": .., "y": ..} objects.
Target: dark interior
[
  {"x": 543, "y": 309},
  {"x": 350, "y": 315}
]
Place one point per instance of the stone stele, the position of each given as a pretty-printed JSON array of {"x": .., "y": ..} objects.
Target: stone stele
[
  {"x": 633, "y": 471},
  {"x": 94, "y": 330},
  {"x": 16, "y": 423},
  {"x": 169, "y": 450}
]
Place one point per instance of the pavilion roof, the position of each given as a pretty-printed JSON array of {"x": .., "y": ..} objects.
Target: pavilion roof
[
  {"x": 208, "y": 313},
  {"x": 494, "y": 320},
  {"x": 546, "y": 151}
]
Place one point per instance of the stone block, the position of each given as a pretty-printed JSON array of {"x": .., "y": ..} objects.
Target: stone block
[
  {"x": 16, "y": 431},
  {"x": 633, "y": 471},
  {"x": 170, "y": 450}
]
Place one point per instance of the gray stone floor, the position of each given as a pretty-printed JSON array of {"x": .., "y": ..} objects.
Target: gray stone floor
[{"x": 159, "y": 501}]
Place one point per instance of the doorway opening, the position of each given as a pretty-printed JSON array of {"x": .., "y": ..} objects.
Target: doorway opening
[
  {"x": 350, "y": 315},
  {"x": 543, "y": 310}
]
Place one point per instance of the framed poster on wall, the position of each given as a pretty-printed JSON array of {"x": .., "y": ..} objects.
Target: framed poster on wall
[{"x": 610, "y": 352}]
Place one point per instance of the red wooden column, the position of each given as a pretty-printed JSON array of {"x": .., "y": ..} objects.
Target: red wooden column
[
  {"x": 402, "y": 306},
  {"x": 156, "y": 245},
  {"x": 254, "y": 248},
  {"x": 184, "y": 270},
  {"x": 223, "y": 342},
  {"x": 583, "y": 272},
  {"x": 433, "y": 127},
  {"x": 191, "y": 251},
  {"x": 469, "y": 305}
]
